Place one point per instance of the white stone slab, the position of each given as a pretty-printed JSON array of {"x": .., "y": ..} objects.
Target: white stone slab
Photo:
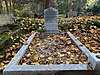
[
  {"x": 6, "y": 19},
  {"x": 95, "y": 62},
  {"x": 43, "y": 69}
]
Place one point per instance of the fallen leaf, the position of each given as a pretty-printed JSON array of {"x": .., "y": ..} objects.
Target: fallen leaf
[
  {"x": 35, "y": 63},
  {"x": 36, "y": 57},
  {"x": 12, "y": 37},
  {"x": 1, "y": 56},
  {"x": 61, "y": 55},
  {"x": 33, "y": 43},
  {"x": 42, "y": 56},
  {"x": 68, "y": 53},
  {"x": 87, "y": 45},
  {"x": 2, "y": 64},
  {"x": 24, "y": 64},
  {"x": 28, "y": 55},
  {"x": 49, "y": 58},
  {"x": 80, "y": 62},
  {"x": 67, "y": 62},
  {"x": 13, "y": 58},
  {"x": 25, "y": 43}
]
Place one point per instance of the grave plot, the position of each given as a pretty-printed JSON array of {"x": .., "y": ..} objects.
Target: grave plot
[
  {"x": 93, "y": 58},
  {"x": 91, "y": 39},
  {"x": 55, "y": 53},
  {"x": 6, "y": 56},
  {"x": 53, "y": 49}
]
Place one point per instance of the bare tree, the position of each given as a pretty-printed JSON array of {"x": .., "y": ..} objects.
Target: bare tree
[
  {"x": 0, "y": 6},
  {"x": 7, "y": 8},
  {"x": 46, "y": 3}
]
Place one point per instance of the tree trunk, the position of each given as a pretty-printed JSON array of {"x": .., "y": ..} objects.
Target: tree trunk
[
  {"x": 46, "y": 3},
  {"x": 51, "y": 3},
  {"x": 0, "y": 7},
  {"x": 13, "y": 7},
  {"x": 7, "y": 8},
  {"x": 10, "y": 1}
]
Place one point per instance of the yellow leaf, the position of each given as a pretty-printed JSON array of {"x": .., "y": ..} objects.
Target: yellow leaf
[
  {"x": 11, "y": 37},
  {"x": 92, "y": 30},
  {"x": 24, "y": 64},
  {"x": 13, "y": 53},
  {"x": 94, "y": 48},
  {"x": 38, "y": 44},
  {"x": 35, "y": 63},
  {"x": 80, "y": 62},
  {"x": 61, "y": 37},
  {"x": 1, "y": 56},
  {"x": 28, "y": 55},
  {"x": 36, "y": 57},
  {"x": 13, "y": 58},
  {"x": 85, "y": 38},
  {"x": 61, "y": 55},
  {"x": 42, "y": 56},
  {"x": 68, "y": 53},
  {"x": 67, "y": 38},
  {"x": 2, "y": 64},
  {"x": 49, "y": 58},
  {"x": 87, "y": 45},
  {"x": 25, "y": 28},
  {"x": 13, "y": 46},
  {"x": 67, "y": 62}
]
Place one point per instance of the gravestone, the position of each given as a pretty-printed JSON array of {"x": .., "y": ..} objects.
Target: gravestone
[
  {"x": 6, "y": 19},
  {"x": 72, "y": 14},
  {"x": 51, "y": 20}
]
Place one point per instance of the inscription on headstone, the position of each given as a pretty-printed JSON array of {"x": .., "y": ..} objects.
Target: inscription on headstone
[{"x": 51, "y": 20}]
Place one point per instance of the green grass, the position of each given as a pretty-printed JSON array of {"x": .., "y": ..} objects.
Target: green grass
[
  {"x": 62, "y": 15},
  {"x": 2, "y": 37}
]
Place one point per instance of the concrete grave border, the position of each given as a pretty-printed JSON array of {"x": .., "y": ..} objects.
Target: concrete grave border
[
  {"x": 94, "y": 61},
  {"x": 14, "y": 69}
]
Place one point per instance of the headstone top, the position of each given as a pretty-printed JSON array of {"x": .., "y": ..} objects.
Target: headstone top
[
  {"x": 51, "y": 8},
  {"x": 51, "y": 11}
]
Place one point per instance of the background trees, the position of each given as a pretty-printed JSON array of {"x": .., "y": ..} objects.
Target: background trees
[
  {"x": 0, "y": 6},
  {"x": 38, "y": 6}
]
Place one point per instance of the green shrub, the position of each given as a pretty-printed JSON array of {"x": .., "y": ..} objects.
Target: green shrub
[
  {"x": 35, "y": 16},
  {"x": 80, "y": 27},
  {"x": 97, "y": 23},
  {"x": 41, "y": 30},
  {"x": 96, "y": 9}
]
